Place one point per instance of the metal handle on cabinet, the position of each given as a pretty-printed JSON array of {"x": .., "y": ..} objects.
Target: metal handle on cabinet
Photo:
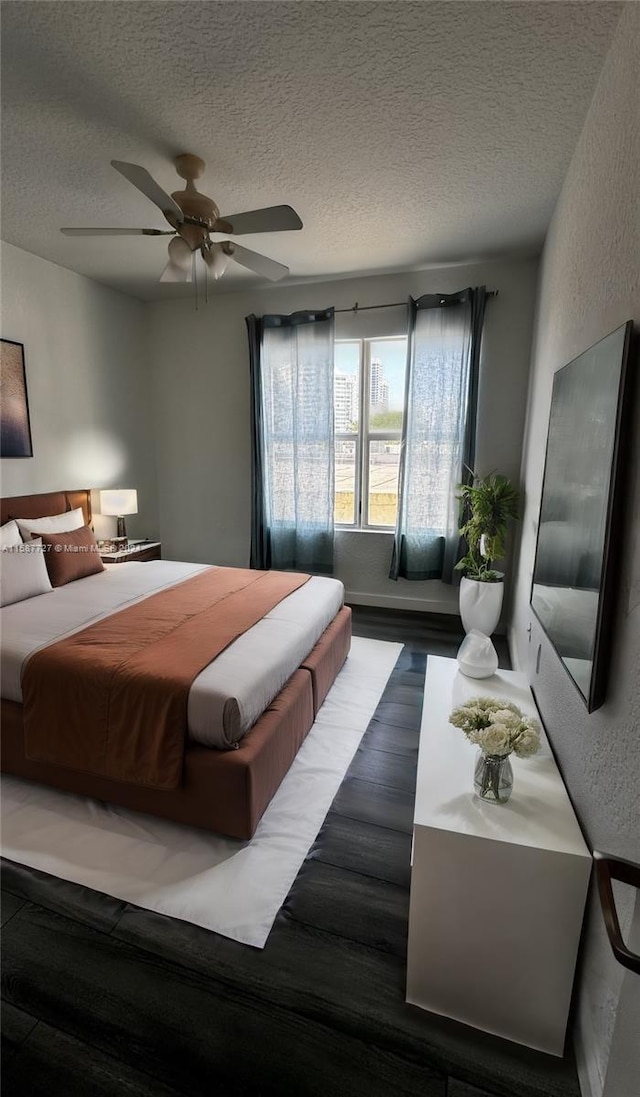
[{"x": 616, "y": 868}]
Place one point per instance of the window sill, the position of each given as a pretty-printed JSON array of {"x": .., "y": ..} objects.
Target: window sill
[{"x": 366, "y": 532}]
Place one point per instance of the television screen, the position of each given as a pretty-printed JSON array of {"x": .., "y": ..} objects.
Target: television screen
[{"x": 573, "y": 586}]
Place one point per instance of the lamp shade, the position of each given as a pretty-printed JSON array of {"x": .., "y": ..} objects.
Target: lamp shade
[
  {"x": 216, "y": 259},
  {"x": 119, "y": 501},
  {"x": 178, "y": 269}
]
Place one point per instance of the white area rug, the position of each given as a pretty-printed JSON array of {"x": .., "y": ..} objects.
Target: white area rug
[{"x": 235, "y": 888}]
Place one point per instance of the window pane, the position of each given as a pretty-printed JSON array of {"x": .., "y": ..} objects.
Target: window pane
[
  {"x": 346, "y": 399},
  {"x": 384, "y": 463},
  {"x": 388, "y": 359},
  {"x": 345, "y": 510}
]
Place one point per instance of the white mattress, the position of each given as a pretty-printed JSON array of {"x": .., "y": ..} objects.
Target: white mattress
[{"x": 229, "y": 695}]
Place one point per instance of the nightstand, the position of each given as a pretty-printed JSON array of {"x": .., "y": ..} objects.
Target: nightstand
[{"x": 136, "y": 550}]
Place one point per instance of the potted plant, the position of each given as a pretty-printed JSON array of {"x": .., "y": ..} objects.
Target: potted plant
[{"x": 487, "y": 505}]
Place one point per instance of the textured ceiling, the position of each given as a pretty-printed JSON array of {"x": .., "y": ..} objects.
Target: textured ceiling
[{"x": 403, "y": 133}]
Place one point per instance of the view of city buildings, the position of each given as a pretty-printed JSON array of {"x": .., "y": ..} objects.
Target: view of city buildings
[
  {"x": 375, "y": 436},
  {"x": 379, "y": 387},
  {"x": 378, "y": 437},
  {"x": 384, "y": 455},
  {"x": 346, "y": 401},
  {"x": 347, "y": 396}
]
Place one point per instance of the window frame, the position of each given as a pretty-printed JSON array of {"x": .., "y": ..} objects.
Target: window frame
[{"x": 365, "y": 436}]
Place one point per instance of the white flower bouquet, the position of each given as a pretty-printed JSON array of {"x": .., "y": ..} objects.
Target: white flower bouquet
[{"x": 498, "y": 727}]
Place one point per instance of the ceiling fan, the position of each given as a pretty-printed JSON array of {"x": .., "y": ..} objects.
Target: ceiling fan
[{"x": 193, "y": 218}]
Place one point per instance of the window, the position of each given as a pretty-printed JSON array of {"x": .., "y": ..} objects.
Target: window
[{"x": 369, "y": 377}]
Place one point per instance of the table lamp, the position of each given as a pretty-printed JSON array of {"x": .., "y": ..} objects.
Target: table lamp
[{"x": 118, "y": 502}]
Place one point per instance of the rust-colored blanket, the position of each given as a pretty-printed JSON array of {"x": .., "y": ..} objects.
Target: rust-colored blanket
[{"x": 112, "y": 699}]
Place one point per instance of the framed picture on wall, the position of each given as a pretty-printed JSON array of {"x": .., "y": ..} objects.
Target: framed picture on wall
[{"x": 15, "y": 428}]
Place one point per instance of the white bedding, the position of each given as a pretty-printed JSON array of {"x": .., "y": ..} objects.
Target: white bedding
[{"x": 229, "y": 695}]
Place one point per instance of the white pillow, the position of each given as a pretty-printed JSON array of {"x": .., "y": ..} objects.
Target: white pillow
[
  {"x": 23, "y": 573},
  {"x": 10, "y": 535},
  {"x": 55, "y": 523}
]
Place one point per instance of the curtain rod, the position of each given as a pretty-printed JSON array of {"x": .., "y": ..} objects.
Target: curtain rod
[{"x": 393, "y": 304}]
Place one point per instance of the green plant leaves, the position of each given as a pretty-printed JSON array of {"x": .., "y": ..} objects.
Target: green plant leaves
[{"x": 487, "y": 505}]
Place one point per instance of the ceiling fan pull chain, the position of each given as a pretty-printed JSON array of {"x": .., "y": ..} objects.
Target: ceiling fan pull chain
[{"x": 195, "y": 277}]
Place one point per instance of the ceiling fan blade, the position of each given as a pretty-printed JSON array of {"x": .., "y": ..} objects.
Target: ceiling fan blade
[
  {"x": 271, "y": 219},
  {"x": 144, "y": 182},
  {"x": 118, "y": 232},
  {"x": 268, "y": 268},
  {"x": 180, "y": 264}
]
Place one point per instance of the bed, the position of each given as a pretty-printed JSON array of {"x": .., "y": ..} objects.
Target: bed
[{"x": 272, "y": 680}]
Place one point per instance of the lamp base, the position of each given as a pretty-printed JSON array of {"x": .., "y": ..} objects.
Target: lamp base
[{"x": 122, "y": 530}]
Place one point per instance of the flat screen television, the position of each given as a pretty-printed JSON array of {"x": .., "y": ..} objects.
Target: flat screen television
[{"x": 574, "y": 585}]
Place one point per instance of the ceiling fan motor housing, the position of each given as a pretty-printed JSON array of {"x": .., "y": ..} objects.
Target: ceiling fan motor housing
[
  {"x": 200, "y": 212},
  {"x": 200, "y": 215}
]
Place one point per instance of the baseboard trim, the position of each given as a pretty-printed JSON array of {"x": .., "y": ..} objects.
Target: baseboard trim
[
  {"x": 513, "y": 650},
  {"x": 591, "y": 1084},
  {"x": 425, "y": 606},
  {"x": 393, "y": 601}
]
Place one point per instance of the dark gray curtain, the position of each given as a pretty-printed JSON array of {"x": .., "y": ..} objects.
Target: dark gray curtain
[
  {"x": 292, "y": 445},
  {"x": 439, "y": 430},
  {"x": 260, "y": 552}
]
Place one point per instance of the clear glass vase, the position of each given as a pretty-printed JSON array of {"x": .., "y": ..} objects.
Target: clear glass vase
[{"x": 493, "y": 777}]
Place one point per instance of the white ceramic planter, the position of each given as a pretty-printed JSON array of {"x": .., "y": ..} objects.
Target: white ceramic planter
[{"x": 480, "y": 605}]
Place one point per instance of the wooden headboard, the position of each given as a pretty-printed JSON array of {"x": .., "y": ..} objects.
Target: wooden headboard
[{"x": 41, "y": 506}]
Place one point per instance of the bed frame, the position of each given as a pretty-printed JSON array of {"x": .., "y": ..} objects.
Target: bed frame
[{"x": 223, "y": 791}]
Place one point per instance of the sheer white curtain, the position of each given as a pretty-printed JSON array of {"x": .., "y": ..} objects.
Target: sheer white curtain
[
  {"x": 438, "y": 440},
  {"x": 293, "y": 466}
]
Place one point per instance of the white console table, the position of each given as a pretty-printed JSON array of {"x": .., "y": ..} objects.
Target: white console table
[{"x": 497, "y": 890}]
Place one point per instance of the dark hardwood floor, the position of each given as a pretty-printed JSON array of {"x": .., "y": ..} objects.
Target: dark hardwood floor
[{"x": 102, "y": 998}]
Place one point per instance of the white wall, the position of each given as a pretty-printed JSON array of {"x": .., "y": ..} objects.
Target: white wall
[
  {"x": 199, "y": 362},
  {"x": 85, "y": 355},
  {"x": 590, "y": 284}
]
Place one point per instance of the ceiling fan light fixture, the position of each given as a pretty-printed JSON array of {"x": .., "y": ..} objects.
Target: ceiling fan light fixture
[
  {"x": 180, "y": 264},
  {"x": 174, "y": 273},
  {"x": 216, "y": 259},
  {"x": 180, "y": 253}
]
